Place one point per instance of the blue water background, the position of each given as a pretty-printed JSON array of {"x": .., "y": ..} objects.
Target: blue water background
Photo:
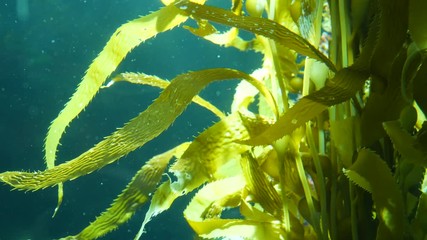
[{"x": 45, "y": 50}]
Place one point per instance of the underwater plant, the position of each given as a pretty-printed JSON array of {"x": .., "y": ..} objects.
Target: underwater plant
[{"x": 325, "y": 140}]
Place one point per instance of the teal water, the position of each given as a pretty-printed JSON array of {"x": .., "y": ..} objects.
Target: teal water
[{"x": 45, "y": 48}]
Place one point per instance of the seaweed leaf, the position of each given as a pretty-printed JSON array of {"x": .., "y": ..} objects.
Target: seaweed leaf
[
  {"x": 146, "y": 126},
  {"x": 342, "y": 87},
  {"x": 133, "y": 196},
  {"x": 142, "y": 78},
  {"x": 216, "y": 153},
  {"x": 405, "y": 143},
  {"x": 372, "y": 174},
  {"x": 261, "y": 26},
  {"x": 124, "y": 39},
  {"x": 209, "y": 227},
  {"x": 258, "y": 185},
  {"x": 212, "y": 155}
]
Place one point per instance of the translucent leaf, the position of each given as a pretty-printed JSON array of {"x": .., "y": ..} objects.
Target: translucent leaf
[
  {"x": 146, "y": 126},
  {"x": 227, "y": 39},
  {"x": 215, "y": 153},
  {"x": 259, "y": 186},
  {"x": 260, "y": 26},
  {"x": 132, "y": 198},
  {"x": 162, "y": 199},
  {"x": 142, "y": 78},
  {"x": 341, "y": 88},
  {"x": 346, "y": 135},
  {"x": 126, "y": 37},
  {"x": 216, "y": 227}
]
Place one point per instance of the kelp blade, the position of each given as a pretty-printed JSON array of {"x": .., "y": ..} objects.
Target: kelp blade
[
  {"x": 125, "y": 38},
  {"x": 214, "y": 154},
  {"x": 371, "y": 173},
  {"x": 262, "y": 189},
  {"x": 405, "y": 143},
  {"x": 141, "y": 78},
  {"x": 146, "y": 126},
  {"x": 261, "y": 26},
  {"x": 211, "y": 227},
  {"x": 132, "y": 198},
  {"x": 342, "y": 87}
]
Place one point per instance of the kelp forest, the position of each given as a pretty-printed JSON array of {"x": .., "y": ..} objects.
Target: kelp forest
[{"x": 326, "y": 139}]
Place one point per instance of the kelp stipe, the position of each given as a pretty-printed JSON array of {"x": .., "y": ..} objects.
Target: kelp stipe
[{"x": 342, "y": 161}]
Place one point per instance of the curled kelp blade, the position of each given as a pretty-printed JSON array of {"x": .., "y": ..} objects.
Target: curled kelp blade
[
  {"x": 143, "y": 128},
  {"x": 370, "y": 172},
  {"x": 260, "y": 187},
  {"x": 133, "y": 196},
  {"x": 228, "y": 38},
  {"x": 142, "y": 78},
  {"x": 215, "y": 197},
  {"x": 342, "y": 87},
  {"x": 214, "y": 154},
  {"x": 124, "y": 39},
  {"x": 261, "y": 26}
]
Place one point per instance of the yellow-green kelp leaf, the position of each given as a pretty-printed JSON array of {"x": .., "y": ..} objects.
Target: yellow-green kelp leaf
[
  {"x": 370, "y": 172},
  {"x": 346, "y": 134},
  {"x": 132, "y": 198},
  {"x": 123, "y": 40},
  {"x": 342, "y": 87},
  {"x": 261, "y": 26},
  {"x": 210, "y": 33},
  {"x": 260, "y": 187},
  {"x": 146, "y": 126},
  {"x": 142, "y": 78},
  {"x": 214, "y": 227},
  {"x": 162, "y": 200},
  {"x": 214, "y": 154}
]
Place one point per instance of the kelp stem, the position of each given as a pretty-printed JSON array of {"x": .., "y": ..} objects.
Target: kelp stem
[
  {"x": 307, "y": 193},
  {"x": 276, "y": 62},
  {"x": 320, "y": 177},
  {"x": 343, "y": 30},
  {"x": 279, "y": 147},
  {"x": 333, "y": 202},
  {"x": 278, "y": 76},
  {"x": 353, "y": 211}
]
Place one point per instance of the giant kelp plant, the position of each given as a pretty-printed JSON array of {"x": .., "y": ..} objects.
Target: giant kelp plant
[{"x": 326, "y": 140}]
